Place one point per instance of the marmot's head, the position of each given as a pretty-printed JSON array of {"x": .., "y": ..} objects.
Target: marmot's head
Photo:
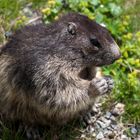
[{"x": 81, "y": 34}]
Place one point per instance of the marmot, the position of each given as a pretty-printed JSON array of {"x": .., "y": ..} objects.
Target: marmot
[{"x": 47, "y": 72}]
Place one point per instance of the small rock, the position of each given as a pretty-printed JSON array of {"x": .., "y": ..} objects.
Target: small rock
[
  {"x": 27, "y": 11},
  {"x": 99, "y": 136},
  {"x": 93, "y": 119},
  {"x": 83, "y": 136},
  {"x": 133, "y": 130},
  {"x": 94, "y": 109},
  {"x": 103, "y": 125},
  {"x": 90, "y": 129},
  {"x": 111, "y": 134},
  {"x": 114, "y": 126},
  {"x": 98, "y": 105},
  {"x": 118, "y": 109},
  {"x": 124, "y": 137},
  {"x": 93, "y": 134},
  {"x": 97, "y": 126},
  {"x": 104, "y": 122},
  {"x": 105, "y": 132},
  {"x": 107, "y": 122},
  {"x": 110, "y": 128},
  {"x": 112, "y": 118},
  {"x": 138, "y": 137},
  {"x": 8, "y": 34},
  {"x": 108, "y": 115}
]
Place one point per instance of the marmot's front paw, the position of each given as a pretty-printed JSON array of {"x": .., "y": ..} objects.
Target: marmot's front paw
[
  {"x": 110, "y": 83},
  {"x": 99, "y": 86}
]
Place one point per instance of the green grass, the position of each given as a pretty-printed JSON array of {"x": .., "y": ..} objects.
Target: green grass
[
  {"x": 71, "y": 131},
  {"x": 12, "y": 18},
  {"x": 132, "y": 8},
  {"x": 9, "y": 11}
]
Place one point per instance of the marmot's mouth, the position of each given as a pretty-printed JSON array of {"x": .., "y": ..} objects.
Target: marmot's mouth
[
  {"x": 106, "y": 63},
  {"x": 101, "y": 65}
]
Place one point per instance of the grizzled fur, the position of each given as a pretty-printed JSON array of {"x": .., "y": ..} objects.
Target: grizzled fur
[{"x": 47, "y": 73}]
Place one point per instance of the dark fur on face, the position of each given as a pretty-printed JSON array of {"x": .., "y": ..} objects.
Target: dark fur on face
[{"x": 40, "y": 68}]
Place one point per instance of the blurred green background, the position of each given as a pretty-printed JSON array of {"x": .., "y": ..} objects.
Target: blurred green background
[{"x": 120, "y": 17}]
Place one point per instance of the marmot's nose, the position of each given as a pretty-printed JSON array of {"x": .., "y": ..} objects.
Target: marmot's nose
[
  {"x": 115, "y": 51},
  {"x": 118, "y": 56}
]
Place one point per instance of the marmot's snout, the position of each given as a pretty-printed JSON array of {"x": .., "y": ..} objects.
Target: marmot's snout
[
  {"x": 112, "y": 54},
  {"x": 115, "y": 52}
]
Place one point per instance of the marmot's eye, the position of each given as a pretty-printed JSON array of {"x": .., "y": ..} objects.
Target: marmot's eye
[{"x": 95, "y": 42}]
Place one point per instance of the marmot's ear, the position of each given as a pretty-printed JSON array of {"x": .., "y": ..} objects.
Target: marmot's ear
[{"x": 72, "y": 27}]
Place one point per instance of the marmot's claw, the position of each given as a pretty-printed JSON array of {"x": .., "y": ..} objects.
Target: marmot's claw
[
  {"x": 99, "y": 85},
  {"x": 110, "y": 83}
]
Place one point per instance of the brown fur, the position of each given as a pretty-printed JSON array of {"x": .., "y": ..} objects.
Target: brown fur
[{"x": 46, "y": 71}]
